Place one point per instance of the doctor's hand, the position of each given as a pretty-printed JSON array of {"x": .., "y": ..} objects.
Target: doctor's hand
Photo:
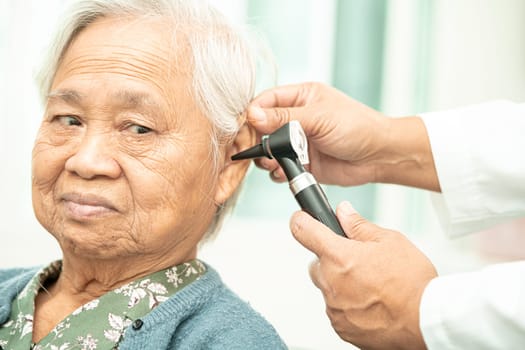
[
  {"x": 349, "y": 142},
  {"x": 344, "y": 135},
  {"x": 372, "y": 283}
]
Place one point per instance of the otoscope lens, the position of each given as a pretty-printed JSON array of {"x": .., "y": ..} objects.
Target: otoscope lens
[{"x": 299, "y": 142}]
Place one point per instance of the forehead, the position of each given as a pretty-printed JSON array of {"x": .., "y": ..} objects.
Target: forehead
[
  {"x": 147, "y": 40},
  {"x": 137, "y": 51}
]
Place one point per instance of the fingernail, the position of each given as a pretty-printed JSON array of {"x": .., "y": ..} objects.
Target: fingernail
[
  {"x": 276, "y": 175},
  {"x": 256, "y": 114},
  {"x": 346, "y": 208}
]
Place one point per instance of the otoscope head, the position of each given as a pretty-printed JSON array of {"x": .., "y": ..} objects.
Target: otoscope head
[
  {"x": 288, "y": 145},
  {"x": 289, "y": 141}
]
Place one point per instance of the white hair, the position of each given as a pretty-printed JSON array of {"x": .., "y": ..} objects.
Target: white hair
[{"x": 224, "y": 61}]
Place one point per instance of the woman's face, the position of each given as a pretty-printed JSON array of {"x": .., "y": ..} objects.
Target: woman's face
[{"x": 122, "y": 163}]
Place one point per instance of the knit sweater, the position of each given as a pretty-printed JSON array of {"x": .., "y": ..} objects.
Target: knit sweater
[{"x": 203, "y": 315}]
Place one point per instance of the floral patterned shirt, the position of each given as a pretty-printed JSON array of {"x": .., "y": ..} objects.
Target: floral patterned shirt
[{"x": 101, "y": 323}]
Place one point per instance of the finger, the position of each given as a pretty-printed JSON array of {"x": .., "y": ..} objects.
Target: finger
[
  {"x": 276, "y": 172},
  {"x": 354, "y": 225},
  {"x": 314, "y": 235},
  {"x": 276, "y": 107},
  {"x": 268, "y": 120},
  {"x": 278, "y": 175},
  {"x": 282, "y": 96},
  {"x": 266, "y": 164}
]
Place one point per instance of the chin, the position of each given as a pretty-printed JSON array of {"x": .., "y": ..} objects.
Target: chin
[{"x": 80, "y": 245}]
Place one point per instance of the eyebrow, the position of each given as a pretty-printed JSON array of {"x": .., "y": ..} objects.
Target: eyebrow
[
  {"x": 133, "y": 99},
  {"x": 68, "y": 96},
  {"x": 126, "y": 99}
]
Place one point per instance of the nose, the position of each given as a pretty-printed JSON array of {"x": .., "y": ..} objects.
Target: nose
[{"x": 94, "y": 157}]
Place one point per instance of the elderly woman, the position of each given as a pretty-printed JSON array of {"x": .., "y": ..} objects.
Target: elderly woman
[{"x": 131, "y": 171}]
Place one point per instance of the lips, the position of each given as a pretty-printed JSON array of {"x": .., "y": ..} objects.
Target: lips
[{"x": 84, "y": 206}]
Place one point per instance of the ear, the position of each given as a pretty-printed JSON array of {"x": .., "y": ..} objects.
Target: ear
[{"x": 233, "y": 172}]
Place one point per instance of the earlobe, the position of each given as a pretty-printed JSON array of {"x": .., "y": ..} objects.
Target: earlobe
[{"x": 233, "y": 172}]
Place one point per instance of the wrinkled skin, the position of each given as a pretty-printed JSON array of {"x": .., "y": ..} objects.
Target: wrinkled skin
[{"x": 123, "y": 175}]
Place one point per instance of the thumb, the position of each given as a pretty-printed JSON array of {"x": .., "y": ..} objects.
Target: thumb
[
  {"x": 355, "y": 226},
  {"x": 267, "y": 120},
  {"x": 314, "y": 235}
]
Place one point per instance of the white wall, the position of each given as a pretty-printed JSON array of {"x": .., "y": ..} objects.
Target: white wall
[
  {"x": 479, "y": 52},
  {"x": 24, "y": 32}
]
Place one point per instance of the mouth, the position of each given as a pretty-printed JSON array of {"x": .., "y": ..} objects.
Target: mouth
[{"x": 86, "y": 206}]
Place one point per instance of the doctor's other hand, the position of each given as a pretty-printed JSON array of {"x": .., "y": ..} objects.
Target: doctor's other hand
[
  {"x": 349, "y": 143},
  {"x": 372, "y": 283}
]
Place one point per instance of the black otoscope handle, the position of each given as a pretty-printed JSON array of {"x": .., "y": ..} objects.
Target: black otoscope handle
[{"x": 312, "y": 200}]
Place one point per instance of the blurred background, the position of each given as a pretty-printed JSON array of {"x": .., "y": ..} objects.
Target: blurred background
[{"x": 402, "y": 57}]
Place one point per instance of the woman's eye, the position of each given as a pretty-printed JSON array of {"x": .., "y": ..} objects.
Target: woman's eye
[
  {"x": 68, "y": 120},
  {"x": 139, "y": 129}
]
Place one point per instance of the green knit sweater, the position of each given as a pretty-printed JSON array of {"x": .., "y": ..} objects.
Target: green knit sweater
[{"x": 203, "y": 315}]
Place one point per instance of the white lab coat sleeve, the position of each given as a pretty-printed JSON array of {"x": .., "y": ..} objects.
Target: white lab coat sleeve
[
  {"x": 476, "y": 311},
  {"x": 480, "y": 161},
  {"x": 479, "y": 153}
]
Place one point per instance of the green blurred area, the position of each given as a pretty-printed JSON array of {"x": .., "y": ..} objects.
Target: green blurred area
[{"x": 359, "y": 35}]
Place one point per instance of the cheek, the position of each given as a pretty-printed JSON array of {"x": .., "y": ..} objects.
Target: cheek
[
  {"x": 48, "y": 162},
  {"x": 174, "y": 191},
  {"x": 177, "y": 185}
]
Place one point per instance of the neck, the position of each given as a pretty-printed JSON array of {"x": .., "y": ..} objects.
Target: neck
[{"x": 84, "y": 279}]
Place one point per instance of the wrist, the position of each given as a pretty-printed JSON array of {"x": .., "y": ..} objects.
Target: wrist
[{"x": 405, "y": 157}]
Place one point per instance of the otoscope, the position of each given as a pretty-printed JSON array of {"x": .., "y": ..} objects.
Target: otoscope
[{"x": 289, "y": 146}]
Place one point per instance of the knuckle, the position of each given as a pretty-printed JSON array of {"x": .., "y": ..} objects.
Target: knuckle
[
  {"x": 358, "y": 225},
  {"x": 259, "y": 164},
  {"x": 340, "y": 323},
  {"x": 282, "y": 116}
]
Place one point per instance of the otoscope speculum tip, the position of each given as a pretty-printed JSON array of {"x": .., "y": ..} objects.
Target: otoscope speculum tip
[{"x": 256, "y": 151}]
